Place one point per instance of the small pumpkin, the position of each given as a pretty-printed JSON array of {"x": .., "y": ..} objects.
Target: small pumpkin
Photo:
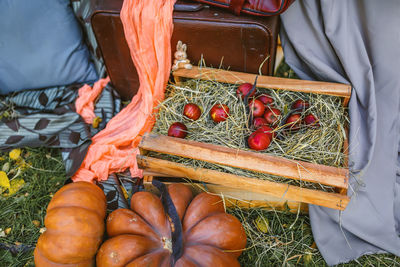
[
  {"x": 74, "y": 227},
  {"x": 142, "y": 236}
]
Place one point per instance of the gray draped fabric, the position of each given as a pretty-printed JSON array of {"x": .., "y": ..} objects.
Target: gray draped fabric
[{"x": 356, "y": 42}]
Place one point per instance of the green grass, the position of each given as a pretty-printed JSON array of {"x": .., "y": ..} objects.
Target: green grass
[
  {"x": 288, "y": 241},
  {"x": 18, "y": 212}
]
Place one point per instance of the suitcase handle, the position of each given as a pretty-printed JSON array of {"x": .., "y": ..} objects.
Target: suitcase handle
[{"x": 187, "y": 6}]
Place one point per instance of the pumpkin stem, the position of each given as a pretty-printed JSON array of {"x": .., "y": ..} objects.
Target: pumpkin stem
[{"x": 167, "y": 244}]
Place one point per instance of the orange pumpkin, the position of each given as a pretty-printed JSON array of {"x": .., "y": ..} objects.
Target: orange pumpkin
[
  {"x": 142, "y": 236},
  {"x": 74, "y": 227}
]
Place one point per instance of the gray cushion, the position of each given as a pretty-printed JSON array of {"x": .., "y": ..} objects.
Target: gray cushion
[{"x": 41, "y": 45}]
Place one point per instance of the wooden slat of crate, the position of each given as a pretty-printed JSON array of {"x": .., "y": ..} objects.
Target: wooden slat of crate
[
  {"x": 225, "y": 76},
  {"x": 247, "y": 160},
  {"x": 290, "y": 192},
  {"x": 234, "y": 197},
  {"x": 336, "y": 177}
]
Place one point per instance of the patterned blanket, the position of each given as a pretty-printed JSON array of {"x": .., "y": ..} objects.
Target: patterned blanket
[{"x": 47, "y": 118}]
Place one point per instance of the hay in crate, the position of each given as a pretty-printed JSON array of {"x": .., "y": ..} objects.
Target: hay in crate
[{"x": 322, "y": 145}]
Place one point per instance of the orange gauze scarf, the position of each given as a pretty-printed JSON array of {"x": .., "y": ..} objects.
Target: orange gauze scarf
[{"x": 148, "y": 29}]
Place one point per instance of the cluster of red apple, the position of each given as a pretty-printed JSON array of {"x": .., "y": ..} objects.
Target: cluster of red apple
[
  {"x": 266, "y": 117},
  {"x": 218, "y": 113}
]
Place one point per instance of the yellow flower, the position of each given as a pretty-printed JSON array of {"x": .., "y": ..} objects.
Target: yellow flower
[{"x": 15, "y": 153}]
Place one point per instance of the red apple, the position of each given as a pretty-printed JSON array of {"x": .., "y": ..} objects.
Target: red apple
[
  {"x": 293, "y": 122},
  {"x": 258, "y": 141},
  {"x": 244, "y": 89},
  {"x": 267, "y": 130},
  {"x": 266, "y": 99},
  {"x": 192, "y": 111},
  {"x": 271, "y": 115},
  {"x": 259, "y": 121},
  {"x": 256, "y": 108},
  {"x": 300, "y": 105},
  {"x": 311, "y": 120},
  {"x": 219, "y": 112},
  {"x": 177, "y": 129}
]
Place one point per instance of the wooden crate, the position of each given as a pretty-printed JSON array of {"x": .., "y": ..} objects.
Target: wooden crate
[
  {"x": 253, "y": 161},
  {"x": 233, "y": 197}
]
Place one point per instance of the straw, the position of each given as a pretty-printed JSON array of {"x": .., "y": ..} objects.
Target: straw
[{"x": 321, "y": 145}]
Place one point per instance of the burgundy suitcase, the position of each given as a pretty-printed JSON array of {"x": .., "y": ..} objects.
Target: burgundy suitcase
[{"x": 241, "y": 43}]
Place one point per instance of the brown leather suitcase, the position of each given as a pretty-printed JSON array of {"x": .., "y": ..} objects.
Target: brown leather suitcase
[{"x": 241, "y": 43}]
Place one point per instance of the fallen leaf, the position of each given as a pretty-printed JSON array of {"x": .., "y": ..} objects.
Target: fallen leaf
[
  {"x": 15, "y": 185},
  {"x": 7, "y": 231},
  {"x": 15, "y": 153},
  {"x": 30, "y": 262},
  {"x": 36, "y": 223},
  {"x": 285, "y": 109},
  {"x": 22, "y": 165},
  {"x": 96, "y": 122},
  {"x": 307, "y": 258},
  {"x": 262, "y": 224},
  {"x": 6, "y": 167},
  {"x": 4, "y": 181},
  {"x": 6, "y": 114},
  {"x": 124, "y": 192}
]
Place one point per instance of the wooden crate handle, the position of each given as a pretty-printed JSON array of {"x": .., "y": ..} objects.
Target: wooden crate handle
[
  {"x": 315, "y": 173},
  {"x": 290, "y": 192},
  {"x": 233, "y": 77}
]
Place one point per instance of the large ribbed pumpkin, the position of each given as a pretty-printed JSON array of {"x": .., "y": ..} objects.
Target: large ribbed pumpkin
[
  {"x": 74, "y": 227},
  {"x": 142, "y": 236}
]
